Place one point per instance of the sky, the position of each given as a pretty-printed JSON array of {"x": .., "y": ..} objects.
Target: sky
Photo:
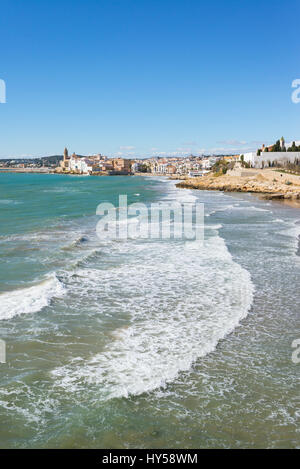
[{"x": 138, "y": 78}]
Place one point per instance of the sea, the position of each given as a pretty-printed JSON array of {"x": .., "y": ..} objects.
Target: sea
[{"x": 146, "y": 343}]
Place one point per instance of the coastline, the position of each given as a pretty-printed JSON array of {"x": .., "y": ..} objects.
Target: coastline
[
  {"x": 50, "y": 171},
  {"x": 27, "y": 171},
  {"x": 268, "y": 184}
]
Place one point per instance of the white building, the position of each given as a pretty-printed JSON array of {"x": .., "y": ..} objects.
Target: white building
[
  {"x": 81, "y": 165},
  {"x": 206, "y": 163},
  {"x": 268, "y": 158},
  {"x": 135, "y": 167}
]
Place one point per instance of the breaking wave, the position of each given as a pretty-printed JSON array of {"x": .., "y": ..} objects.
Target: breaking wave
[
  {"x": 31, "y": 299},
  {"x": 181, "y": 307}
]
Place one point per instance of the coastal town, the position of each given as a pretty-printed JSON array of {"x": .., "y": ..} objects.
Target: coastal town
[
  {"x": 280, "y": 154},
  {"x": 272, "y": 170},
  {"x": 97, "y": 165}
]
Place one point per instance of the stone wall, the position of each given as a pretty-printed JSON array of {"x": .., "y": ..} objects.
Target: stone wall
[{"x": 270, "y": 157}]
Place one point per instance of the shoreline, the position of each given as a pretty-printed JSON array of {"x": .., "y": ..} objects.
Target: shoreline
[
  {"x": 28, "y": 171},
  {"x": 267, "y": 184},
  {"x": 36, "y": 171}
]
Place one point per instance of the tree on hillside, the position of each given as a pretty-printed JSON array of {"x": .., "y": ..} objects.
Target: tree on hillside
[{"x": 276, "y": 147}]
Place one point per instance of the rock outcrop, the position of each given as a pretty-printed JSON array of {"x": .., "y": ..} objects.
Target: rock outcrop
[{"x": 272, "y": 184}]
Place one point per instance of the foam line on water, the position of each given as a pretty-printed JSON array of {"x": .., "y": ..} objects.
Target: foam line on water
[
  {"x": 293, "y": 232},
  {"x": 10, "y": 202},
  {"x": 31, "y": 299}
]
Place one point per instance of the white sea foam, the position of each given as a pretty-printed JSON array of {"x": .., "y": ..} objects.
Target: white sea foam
[
  {"x": 186, "y": 196},
  {"x": 9, "y": 202},
  {"x": 238, "y": 207},
  {"x": 33, "y": 237},
  {"x": 253, "y": 208},
  {"x": 222, "y": 209},
  {"x": 181, "y": 306},
  {"x": 42, "y": 237},
  {"x": 63, "y": 190},
  {"x": 31, "y": 299},
  {"x": 75, "y": 243},
  {"x": 293, "y": 232},
  {"x": 213, "y": 227}
]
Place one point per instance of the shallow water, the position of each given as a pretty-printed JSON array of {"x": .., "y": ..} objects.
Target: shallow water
[{"x": 144, "y": 343}]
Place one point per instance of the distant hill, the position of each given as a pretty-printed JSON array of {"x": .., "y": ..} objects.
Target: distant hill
[
  {"x": 43, "y": 160},
  {"x": 54, "y": 159}
]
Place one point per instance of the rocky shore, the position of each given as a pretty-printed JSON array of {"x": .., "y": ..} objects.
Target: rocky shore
[{"x": 271, "y": 183}]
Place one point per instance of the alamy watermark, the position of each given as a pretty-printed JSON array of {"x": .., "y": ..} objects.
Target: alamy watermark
[
  {"x": 296, "y": 92},
  {"x": 161, "y": 220},
  {"x": 2, "y": 351},
  {"x": 296, "y": 353},
  {"x": 2, "y": 92}
]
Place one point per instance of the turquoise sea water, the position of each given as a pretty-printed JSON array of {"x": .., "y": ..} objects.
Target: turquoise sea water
[{"x": 145, "y": 343}]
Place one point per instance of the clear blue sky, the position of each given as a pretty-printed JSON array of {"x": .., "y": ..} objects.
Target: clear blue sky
[{"x": 147, "y": 77}]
